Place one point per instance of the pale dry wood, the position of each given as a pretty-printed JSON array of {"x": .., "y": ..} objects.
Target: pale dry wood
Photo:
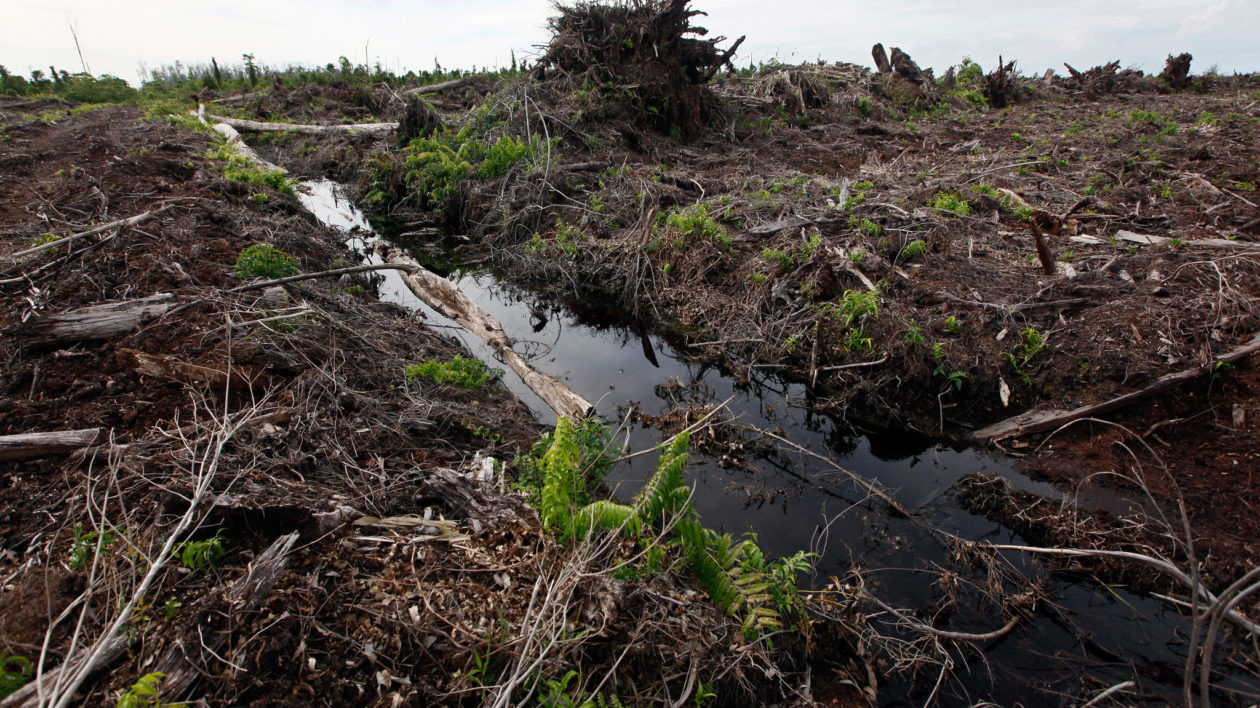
[
  {"x": 438, "y": 292},
  {"x": 1149, "y": 240},
  {"x": 95, "y": 322},
  {"x": 236, "y": 142},
  {"x": 1041, "y": 421},
  {"x": 253, "y": 126},
  {"x": 246, "y": 595},
  {"x": 437, "y": 88},
  {"x": 34, "y": 446}
]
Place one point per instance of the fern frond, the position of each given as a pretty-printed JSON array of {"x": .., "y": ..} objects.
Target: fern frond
[
  {"x": 559, "y": 478},
  {"x": 606, "y": 515},
  {"x": 666, "y": 491}
]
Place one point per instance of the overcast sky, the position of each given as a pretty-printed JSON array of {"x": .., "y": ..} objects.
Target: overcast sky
[{"x": 119, "y": 37}]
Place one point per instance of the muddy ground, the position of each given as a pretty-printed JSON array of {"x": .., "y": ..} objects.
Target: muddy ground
[
  {"x": 824, "y": 182},
  {"x": 406, "y": 580},
  {"x": 821, "y": 201}
]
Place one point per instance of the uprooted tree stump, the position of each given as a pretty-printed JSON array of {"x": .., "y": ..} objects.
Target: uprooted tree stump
[
  {"x": 903, "y": 81},
  {"x": 641, "y": 49},
  {"x": 999, "y": 85},
  {"x": 418, "y": 121},
  {"x": 1102, "y": 80},
  {"x": 1176, "y": 71}
]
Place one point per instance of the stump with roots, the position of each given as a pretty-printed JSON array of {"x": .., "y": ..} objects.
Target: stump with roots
[{"x": 644, "y": 50}]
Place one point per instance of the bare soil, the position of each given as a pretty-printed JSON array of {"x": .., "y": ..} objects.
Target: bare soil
[{"x": 401, "y": 590}]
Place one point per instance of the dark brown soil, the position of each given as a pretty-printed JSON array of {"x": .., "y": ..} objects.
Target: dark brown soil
[{"x": 319, "y": 429}]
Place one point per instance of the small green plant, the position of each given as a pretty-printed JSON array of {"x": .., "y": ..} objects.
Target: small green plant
[
  {"x": 864, "y": 106},
  {"x": 914, "y": 249},
  {"x": 85, "y": 544},
  {"x": 43, "y": 239},
  {"x": 260, "y": 197},
  {"x": 146, "y": 693},
  {"x": 461, "y": 371},
  {"x": 694, "y": 222},
  {"x": 951, "y": 203},
  {"x": 914, "y": 335},
  {"x": 15, "y": 672},
  {"x": 1220, "y": 367},
  {"x": 201, "y": 556},
  {"x": 262, "y": 260},
  {"x": 1245, "y": 186},
  {"x": 952, "y": 325},
  {"x": 870, "y": 228},
  {"x": 1032, "y": 341}
]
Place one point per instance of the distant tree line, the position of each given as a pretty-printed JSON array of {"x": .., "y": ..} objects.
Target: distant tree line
[{"x": 184, "y": 79}]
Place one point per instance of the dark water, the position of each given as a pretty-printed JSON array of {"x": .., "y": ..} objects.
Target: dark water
[{"x": 792, "y": 502}]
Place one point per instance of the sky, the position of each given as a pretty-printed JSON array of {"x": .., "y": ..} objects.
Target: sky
[{"x": 123, "y": 36}]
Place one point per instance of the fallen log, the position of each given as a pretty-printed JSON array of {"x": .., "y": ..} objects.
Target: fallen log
[
  {"x": 254, "y": 126},
  {"x": 94, "y": 322},
  {"x": 438, "y": 88},
  {"x": 186, "y": 661},
  {"x": 167, "y": 367},
  {"x": 34, "y": 446},
  {"x": 438, "y": 292},
  {"x": 1040, "y": 421},
  {"x": 236, "y": 142}
]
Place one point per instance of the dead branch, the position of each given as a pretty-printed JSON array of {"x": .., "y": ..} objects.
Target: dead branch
[
  {"x": 1040, "y": 421},
  {"x": 235, "y": 142},
  {"x": 119, "y": 224},
  {"x": 34, "y": 446}
]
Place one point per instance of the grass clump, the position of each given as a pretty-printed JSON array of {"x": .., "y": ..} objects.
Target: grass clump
[
  {"x": 695, "y": 222},
  {"x": 951, "y": 203},
  {"x": 262, "y": 260},
  {"x": 461, "y": 371},
  {"x": 239, "y": 168},
  {"x": 435, "y": 166}
]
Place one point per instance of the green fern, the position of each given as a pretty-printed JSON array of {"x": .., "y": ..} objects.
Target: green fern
[
  {"x": 666, "y": 491},
  {"x": 559, "y": 479},
  {"x": 607, "y": 515}
]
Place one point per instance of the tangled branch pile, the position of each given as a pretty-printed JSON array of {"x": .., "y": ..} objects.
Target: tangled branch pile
[{"x": 640, "y": 49}]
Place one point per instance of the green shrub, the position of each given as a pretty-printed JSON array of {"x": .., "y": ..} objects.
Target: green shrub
[
  {"x": 201, "y": 556},
  {"x": 262, "y": 260},
  {"x": 460, "y": 371},
  {"x": 952, "y": 203},
  {"x": 695, "y": 222}
]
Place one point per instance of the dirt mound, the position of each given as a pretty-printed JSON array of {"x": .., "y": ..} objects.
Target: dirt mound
[{"x": 645, "y": 50}]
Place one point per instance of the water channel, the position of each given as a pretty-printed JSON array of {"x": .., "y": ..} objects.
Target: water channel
[{"x": 1086, "y": 638}]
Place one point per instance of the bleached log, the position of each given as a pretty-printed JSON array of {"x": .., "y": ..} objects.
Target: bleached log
[
  {"x": 1150, "y": 240},
  {"x": 254, "y": 126},
  {"x": 437, "y": 88},
  {"x": 34, "y": 446},
  {"x": 1041, "y": 421},
  {"x": 95, "y": 322},
  {"x": 236, "y": 143},
  {"x": 438, "y": 292}
]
